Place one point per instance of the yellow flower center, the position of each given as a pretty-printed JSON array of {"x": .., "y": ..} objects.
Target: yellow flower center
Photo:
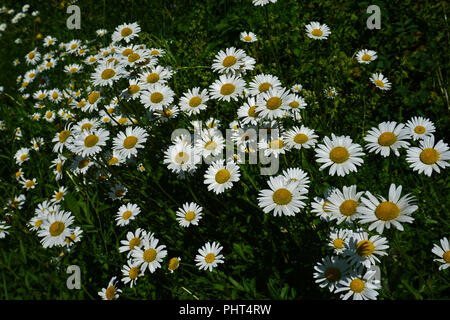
[
  {"x": 122, "y": 120},
  {"x": 387, "y": 139},
  {"x": 333, "y": 274},
  {"x": 227, "y": 89},
  {"x": 182, "y": 157},
  {"x": 133, "y": 273},
  {"x": 222, "y": 176},
  {"x": 133, "y": 89},
  {"x": 127, "y": 52},
  {"x": 130, "y": 142},
  {"x": 229, "y": 61},
  {"x": 149, "y": 255},
  {"x": 357, "y": 285},
  {"x": 339, "y": 154},
  {"x": 58, "y": 167},
  {"x": 38, "y": 223},
  {"x": 134, "y": 242},
  {"x": 273, "y": 103},
  {"x": 31, "y": 55},
  {"x": 154, "y": 52},
  {"x": 276, "y": 144},
  {"x": 156, "y": 97},
  {"x": 387, "y": 211},
  {"x": 300, "y": 138},
  {"x": 252, "y": 112},
  {"x": 110, "y": 293},
  {"x": 90, "y": 141},
  {"x": 446, "y": 256},
  {"x": 210, "y": 257},
  {"x": 248, "y": 38},
  {"x": 126, "y": 32},
  {"x": 83, "y": 163},
  {"x": 59, "y": 195},
  {"x": 419, "y": 129},
  {"x": 348, "y": 207},
  {"x": 126, "y": 215},
  {"x": 294, "y": 104},
  {"x": 210, "y": 145},
  {"x": 93, "y": 97},
  {"x": 195, "y": 102},
  {"x": 189, "y": 216},
  {"x": 23, "y": 157},
  {"x": 379, "y": 83},
  {"x": 282, "y": 196},
  {"x": 338, "y": 243},
  {"x": 56, "y": 228},
  {"x": 173, "y": 263},
  {"x": 108, "y": 74},
  {"x": 113, "y": 160},
  {"x": 73, "y": 46},
  {"x": 29, "y": 183},
  {"x": 133, "y": 57},
  {"x": 86, "y": 126},
  {"x": 317, "y": 33},
  {"x": 265, "y": 86},
  {"x": 366, "y": 57},
  {"x": 153, "y": 77},
  {"x": 429, "y": 156},
  {"x": 365, "y": 248}
]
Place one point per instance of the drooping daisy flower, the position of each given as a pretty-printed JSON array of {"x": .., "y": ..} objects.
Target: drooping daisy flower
[
  {"x": 273, "y": 103},
  {"x": 131, "y": 272},
  {"x": 298, "y": 176},
  {"x": 248, "y": 37},
  {"x": 189, "y": 213},
  {"x": 263, "y": 2},
  {"x": 127, "y": 144},
  {"x": 360, "y": 286},
  {"x": 220, "y": 176},
  {"x": 72, "y": 68},
  {"x": 429, "y": 156},
  {"x": 420, "y": 127},
  {"x": 229, "y": 61},
  {"x": 126, "y": 213},
  {"x": 126, "y": 32},
  {"x": 133, "y": 240},
  {"x": 389, "y": 136},
  {"x": 380, "y": 81},
  {"x": 262, "y": 83},
  {"x": 55, "y": 229},
  {"x": 340, "y": 154},
  {"x": 227, "y": 88},
  {"x": 362, "y": 249},
  {"x": 343, "y": 205},
  {"x": 283, "y": 197},
  {"x": 209, "y": 256},
  {"x": 298, "y": 138},
  {"x": 150, "y": 255},
  {"x": 387, "y": 212},
  {"x": 443, "y": 252},
  {"x": 330, "y": 271},
  {"x": 194, "y": 101},
  {"x": 365, "y": 56},
  {"x": 3, "y": 229},
  {"x": 111, "y": 292},
  {"x": 317, "y": 31},
  {"x": 338, "y": 238},
  {"x": 157, "y": 97}
]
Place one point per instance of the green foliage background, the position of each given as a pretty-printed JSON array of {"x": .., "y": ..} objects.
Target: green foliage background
[{"x": 261, "y": 262}]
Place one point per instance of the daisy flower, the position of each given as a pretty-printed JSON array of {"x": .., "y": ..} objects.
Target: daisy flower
[
  {"x": 343, "y": 205},
  {"x": 362, "y": 249},
  {"x": 365, "y": 56},
  {"x": 380, "y": 81},
  {"x": 337, "y": 239},
  {"x": 247, "y": 112},
  {"x": 89, "y": 142},
  {"x": 273, "y": 103},
  {"x": 127, "y": 144},
  {"x": 59, "y": 194},
  {"x": 189, "y": 214},
  {"x": 360, "y": 287},
  {"x": 55, "y": 229},
  {"x": 194, "y": 101},
  {"x": 55, "y": 95},
  {"x": 157, "y": 97},
  {"x": 210, "y": 143},
  {"x": 330, "y": 92},
  {"x": 101, "y": 32},
  {"x": 181, "y": 157},
  {"x": 283, "y": 197},
  {"x": 340, "y": 154},
  {"x": 133, "y": 240},
  {"x": 296, "y": 88},
  {"x": 126, "y": 32},
  {"x": 57, "y": 164},
  {"x": 33, "y": 57},
  {"x": 262, "y": 83},
  {"x": 263, "y": 2},
  {"x": 73, "y": 46},
  {"x": 150, "y": 255},
  {"x": 273, "y": 147},
  {"x": 126, "y": 213},
  {"x": 28, "y": 183},
  {"x": 209, "y": 256},
  {"x": 106, "y": 74},
  {"x": 248, "y": 37},
  {"x": 228, "y": 61},
  {"x": 62, "y": 138},
  {"x": 3, "y": 229},
  {"x": 386, "y": 212},
  {"x": 227, "y": 88},
  {"x": 131, "y": 273},
  {"x": 117, "y": 192},
  {"x": 298, "y": 138},
  {"x": 295, "y": 104},
  {"x": 22, "y": 155},
  {"x": 174, "y": 263},
  {"x": 389, "y": 136},
  {"x": 330, "y": 271},
  {"x": 80, "y": 165},
  {"x": 111, "y": 292},
  {"x": 429, "y": 156},
  {"x": 36, "y": 143},
  {"x": 317, "y": 31},
  {"x": 72, "y": 68},
  {"x": 220, "y": 176},
  {"x": 443, "y": 252},
  {"x": 420, "y": 128}
]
